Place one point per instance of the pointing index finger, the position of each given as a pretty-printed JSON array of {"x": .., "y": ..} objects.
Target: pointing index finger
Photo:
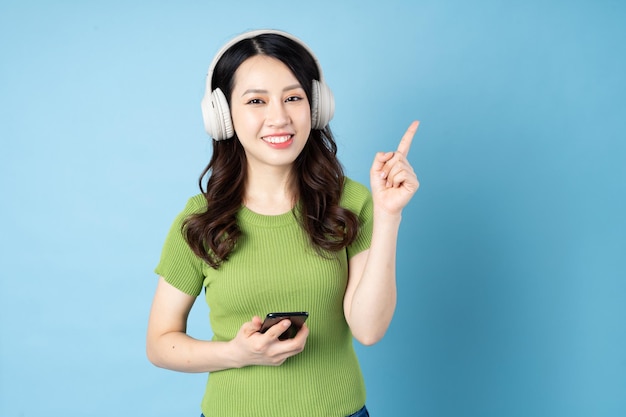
[{"x": 407, "y": 138}]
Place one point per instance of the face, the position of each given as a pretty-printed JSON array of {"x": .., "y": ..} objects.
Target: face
[{"x": 270, "y": 111}]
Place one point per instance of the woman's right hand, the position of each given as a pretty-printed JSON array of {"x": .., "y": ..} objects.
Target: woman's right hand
[
  {"x": 169, "y": 346},
  {"x": 255, "y": 348}
]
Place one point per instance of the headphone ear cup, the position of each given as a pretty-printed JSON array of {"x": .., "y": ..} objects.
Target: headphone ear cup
[
  {"x": 216, "y": 115},
  {"x": 322, "y": 105}
]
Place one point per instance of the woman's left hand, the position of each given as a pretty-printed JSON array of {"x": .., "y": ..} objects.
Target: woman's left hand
[{"x": 392, "y": 178}]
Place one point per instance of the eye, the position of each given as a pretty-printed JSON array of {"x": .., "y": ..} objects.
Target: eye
[
  {"x": 255, "y": 101},
  {"x": 293, "y": 98}
]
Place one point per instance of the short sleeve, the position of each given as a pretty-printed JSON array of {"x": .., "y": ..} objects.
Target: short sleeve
[
  {"x": 358, "y": 199},
  {"x": 178, "y": 265}
]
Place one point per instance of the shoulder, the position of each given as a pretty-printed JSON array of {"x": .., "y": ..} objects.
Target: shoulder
[
  {"x": 355, "y": 195},
  {"x": 196, "y": 204},
  {"x": 357, "y": 198},
  {"x": 349, "y": 183}
]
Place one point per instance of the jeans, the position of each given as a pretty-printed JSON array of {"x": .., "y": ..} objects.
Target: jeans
[{"x": 361, "y": 413}]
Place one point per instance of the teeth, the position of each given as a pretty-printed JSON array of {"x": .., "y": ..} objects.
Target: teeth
[{"x": 277, "y": 139}]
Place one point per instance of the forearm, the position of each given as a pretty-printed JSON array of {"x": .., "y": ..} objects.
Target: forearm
[
  {"x": 374, "y": 300},
  {"x": 179, "y": 352}
]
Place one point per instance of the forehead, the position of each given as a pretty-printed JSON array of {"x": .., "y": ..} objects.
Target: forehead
[{"x": 262, "y": 71}]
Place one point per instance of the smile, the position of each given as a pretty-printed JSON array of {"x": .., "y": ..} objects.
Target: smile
[{"x": 277, "y": 139}]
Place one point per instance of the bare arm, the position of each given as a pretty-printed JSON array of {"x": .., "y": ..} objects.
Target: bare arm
[
  {"x": 370, "y": 298},
  {"x": 169, "y": 346}
]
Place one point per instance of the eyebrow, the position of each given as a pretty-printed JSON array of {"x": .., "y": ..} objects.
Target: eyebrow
[{"x": 261, "y": 91}]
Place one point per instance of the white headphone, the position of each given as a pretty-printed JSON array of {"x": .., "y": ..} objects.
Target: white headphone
[{"x": 216, "y": 114}]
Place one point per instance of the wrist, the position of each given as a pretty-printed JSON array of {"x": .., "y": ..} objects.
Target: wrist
[
  {"x": 386, "y": 217},
  {"x": 233, "y": 354}
]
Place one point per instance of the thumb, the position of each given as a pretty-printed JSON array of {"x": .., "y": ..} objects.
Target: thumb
[{"x": 252, "y": 326}]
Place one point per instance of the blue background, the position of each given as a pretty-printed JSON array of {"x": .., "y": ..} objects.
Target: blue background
[{"x": 511, "y": 265}]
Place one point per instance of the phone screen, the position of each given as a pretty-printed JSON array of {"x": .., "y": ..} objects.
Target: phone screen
[{"x": 297, "y": 320}]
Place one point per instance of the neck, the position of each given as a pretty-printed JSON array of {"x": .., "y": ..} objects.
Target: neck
[{"x": 270, "y": 192}]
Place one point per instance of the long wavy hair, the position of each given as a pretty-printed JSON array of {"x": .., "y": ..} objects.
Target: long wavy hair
[{"x": 318, "y": 174}]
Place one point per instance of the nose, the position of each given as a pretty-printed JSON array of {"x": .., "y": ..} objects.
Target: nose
[{"x": 276, "y": 114}]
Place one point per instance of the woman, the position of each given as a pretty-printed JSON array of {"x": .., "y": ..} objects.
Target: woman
[{"x": 279, "y": 228}]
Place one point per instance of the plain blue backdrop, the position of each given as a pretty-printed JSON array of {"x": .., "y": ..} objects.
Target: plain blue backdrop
[{"x": 512, "y": 256}]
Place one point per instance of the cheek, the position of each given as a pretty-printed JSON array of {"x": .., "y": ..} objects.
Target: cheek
[
  {"x": 241, "y": 119},
  {"x": 304, "y": 117},
  {"x": 235, "y": 119}
]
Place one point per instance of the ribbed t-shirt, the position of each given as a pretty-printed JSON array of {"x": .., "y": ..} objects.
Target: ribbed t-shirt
[{"x": 274, "y": 268}]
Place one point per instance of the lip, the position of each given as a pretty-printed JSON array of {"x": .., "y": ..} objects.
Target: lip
[{"x": 278, "y": 140}]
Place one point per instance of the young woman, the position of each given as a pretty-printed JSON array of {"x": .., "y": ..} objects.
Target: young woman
[{"x": 278, "y": 227}]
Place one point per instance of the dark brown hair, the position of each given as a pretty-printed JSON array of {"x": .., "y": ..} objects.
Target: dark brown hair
[{"x": 319, "y": 176}]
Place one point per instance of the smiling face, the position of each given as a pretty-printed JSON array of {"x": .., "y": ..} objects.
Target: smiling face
[{"x": 270, "y": 112}]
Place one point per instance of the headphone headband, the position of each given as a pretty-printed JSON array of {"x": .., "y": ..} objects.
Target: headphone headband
[
  {"x": 249, "y": 35},
  {"x": 215, "y": 111}
]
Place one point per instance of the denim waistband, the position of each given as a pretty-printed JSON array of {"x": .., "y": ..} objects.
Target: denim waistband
[{"x": 361, "y": 413}]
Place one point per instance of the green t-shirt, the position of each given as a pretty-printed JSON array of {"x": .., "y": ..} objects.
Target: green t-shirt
[{"x": 274, "y": 268}]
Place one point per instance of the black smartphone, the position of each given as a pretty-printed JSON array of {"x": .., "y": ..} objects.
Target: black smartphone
[{"x": 297, "y": 319}]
